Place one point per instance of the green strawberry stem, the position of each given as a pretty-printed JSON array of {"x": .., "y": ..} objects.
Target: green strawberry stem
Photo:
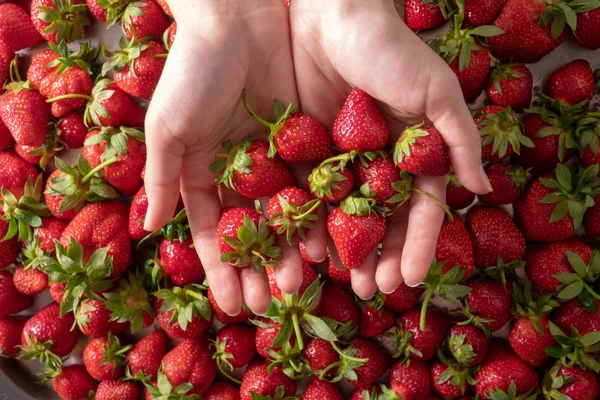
[
  {"x": 70, "y": 96},
  {"x": 437, "y": 201},
  {"x": 99, "y": 168},
  {"x": 227, "y": 375},
  {"x": 15, "y": 75},
  {"x": 424, "y": 306},
  {"x": 591, "y": 291},
  {"x": 297, "y": 330},
  {"x": 164, "y": 55},
  {"x": 308, "y": 212}
]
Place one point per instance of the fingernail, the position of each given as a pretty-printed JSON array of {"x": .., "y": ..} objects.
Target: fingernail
[
  {"x": 486, "y": 180},
  {"x": 412, "y": 285},
  {"x": 386, "y": 292}
]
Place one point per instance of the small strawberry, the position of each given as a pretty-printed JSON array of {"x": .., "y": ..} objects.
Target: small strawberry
[
  {"x": 46, "y": 152},
  {"x": 50, "y": 230},
  {"x": 12, "y": 300},
  {"x": 417, "y": 341},
  {"x": 501, "y": 133},
  {"x": 587, "y": 29},
  {"x": 72, "y": 130},
  {"x": 421, "y": 150},
  {"x": 9, "y": 249},
  {"x": 359, "y": 125},
  {"x": 467, "y": 344},
  {"x": 59, "y": 20},
  {"x": 377, "y": 364},
  {"x": 457, "y": 196},
  {"x": 508, "y": 181},
  {"x": 74, "y": 383},
  {"x": 374, "y": 319},
  {"x": 179, "y": 260},
  {"x": 511, "y": 85},
  {"x": 104, "y": 358},
  {"x": 257, "y": 174},
  {"x": 224, "y": 318},
  {"x": 258, "y": 381},
  {"x": 338, "y": 304},
  {"x": 30, "y": 281},
  {"x": 332, "y": 181},
  {"x": 563, "y": 381},
  {"x": 17, "y": 32},
  {"x": 191, "y": 361},
  {"x": 454, "y": 246},
  {"x": 291, "y": 211},
  {"x": 488, "y": 304},
  {"x": 266, "y": 332},
  {"x": 318, "y": 390},
  {"x": 144, "y": 19},
  {"x": 110, "y": 106},
  {"x": 10, "y": 335},
  {"x": 183, "y": 312},
  {"x": 222, "y": 391},
  {"x": 14, "y": 173},
  {"x": 144, "y": 358},
  {"x": 410, "y": 380},
  {"x": 482, "y": 12},
  {"x": 295, "y": 136},
  {"x": 425, "y": 15},
  {"x": 129, "y": 302},
  {"x": 320, "y": 354},
  {"x": 572, "y": 83},
  {"x": 93, "y": 319},
  {"x": 402, "y": 298},
  {"x": 110, "y": 390},
  {"x": 341, "y": 277},
  {"x": 234, "y": 347},
  {"x": 451, "y": 379}
]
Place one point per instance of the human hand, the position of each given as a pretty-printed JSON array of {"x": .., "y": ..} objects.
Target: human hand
[
  {"x": 220, "y": 49},
  {"x": 340, "y": 44}
]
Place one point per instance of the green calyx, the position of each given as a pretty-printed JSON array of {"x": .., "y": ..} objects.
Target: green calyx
[
  {"x": 129, "y": 51},
  {"x": 278, "y": 395},
  {"x": 403, "y": 341},
  {"x": 83, "y": 58},
  {"x": 235, "y": 159},
  {"x": 501, "y": 130},
  {"x": 574, "y": 192},
  {"x": 52, "y": 145},
  {"x": 34, "y": 349},
  {"x": 165, "y": 391},
  {"x": 294, "y": 219},
  {"x": 114, "y": 353},
  {"x": 562, "y": 13},
  {"x": 324, "y": 178},
  {"x": 405, "y": 189},
  {"x": 222, "y": 357},
  {"x": 580, "y": 283},
  {"x": 518, "y": 176},
  {"x": 553, "y": 382},
  {"x": 504, "y": 72},
  {"x": 32, "y": 256},
  {"x": 575, "y": 349},
  {"x": 511, "y": 394},
  {"x": 587, "y": 132},
  {"x": 66, "y": 19},
  {"x": 25, "y": 213},
  {"x": 461, "y": 351},
  {"x": 94, "y": 110},
  {"x": 133, "y": 9},
  {"x": 114, "y": 9},
  {"x": 130, "y": 302},
  {"x": 346, "y": 366},
  {"x": 474, "y": 319},
  {"x": 456, "y": 374},
  {"x": 406, "y": 141},
  {"x": 185, "y": 303},
  {"x": 530, "y": 307},
  {"x": 281, "y": 115},
  {"x": 503, "y": 271},
  {"x": 453, "y": 180},
  {"x": 81, "y": 278},
  {"x": 116, "y": 140},
  {"x": 362, "y": 203},
  {"x": 253, "y": 247},
  {"x": 290, "y": 359},
  {"x": 563, "y": 122},
  {"x": 177, "y": 228},
  {"x": 80, "y": 184}
]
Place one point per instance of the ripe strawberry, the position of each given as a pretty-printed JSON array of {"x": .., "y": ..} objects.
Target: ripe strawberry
[
  {"x": 530, "y": 342},
  {"x": 563, "y": 381},
  {"x": 234, "y": 346},
  {"x": 104, "y": 358},
  {"x": 11, "y": 299},
  {"x": 591, "y": 220},
  {"x": 291, "y": 211},
  {"x": 266, "y": 333},
  {"x": 377, "y": 364},
  {"x": 421, "y": 150},
  {"x": 40, "y": 67},
  {"x": 359, "y": 125},
  {"x": 222, "y": 391},
  {"x": 110, "y": 106},
  {"x": 72, "y": 130},
  {"x": 421, "y": 16},
  {"x": 9, "y": 249},
  {"x": 340, "y": 277},
  {"x": 110, "y": 390},
  {"x": 308, "y": 276},
  {"x": 258, "y": 175},
  {"x": 14, "y": 173},
  {"x": 172, "y": 313},
  {"x": 129, "y": 301},
  {"x": 501, "y": 133},
  {"x": 454, "y": 246},
  {"x": 10, "y": 335},
  {"x": 74, "y": 383},
  {"x": 488, "y": 304},
  {"x": 320, "y": 354},
  {"x": 474, "y": 76},
  {"x": 338, "y": 304},
  {"x": 137, "y": 66},
  {"x": 468, "y": 344},
  {"x": 587, "y": 29},
  {"x": 60, "y": 21},
  {"x": 144, "y": 19},
  {"x": 501, "y": 369},
  {"x": 260, "y": 382},
  {"x": 180, "y": 261},
  {"x": 29, "y": 281},
  {"x": 495, "y": 236},
  {"x": 137, "y": 215},
  {"x": 416, "y": 343},
  {"x": 511, "y": 85},
  {"x": 451, "y": 379},
  {"x": 572, "y": 83},
  {"x": 403, "y": 298},
  {"x": 106, "y": 12},
  {"x": 191, "y": 361},
  {"x": 410, "y": 380},
  {"x": 572, "y": 314},
  {"x": 374, "y": 319},
  {"x": 6, "y": 139},
  {"x": 57, "y": 291},
  {"x": 457, "y": 196},
  {"x": 508, "y": 181},
  {"x": 331, "y": 181},
  {"x": 481, "y": 12},
  {"x": 318, "y": 390},
  {"x": 381, "y": 174},
  {"x": 93, "y": 319},
  {"x": 295, "y": 136},
  {"x": 145, "y": 356},
  {"x": 224, "y": 318},
  {"x": 17, "y": 32}
]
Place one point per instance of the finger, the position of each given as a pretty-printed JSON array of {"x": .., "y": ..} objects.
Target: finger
[
  {"x": 363, "y": 278},
  {"x": 316, "y": 239},
  {"x": 334, "y": 256},
  {"x": 389, "y": 274},
  {"x": 288, "y": 273},
  {"x": 230, "y": 198},
  {"x": 424, "y": 224},
  {"x": 255, "y": 287}
]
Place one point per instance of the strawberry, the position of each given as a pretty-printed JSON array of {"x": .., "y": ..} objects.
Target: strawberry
[
  {"x": 137, "y": 215},
  {"x": 502, "y": 370},
  {"x": 110, "y": 390},
  {"x": 145, "y": 356},
  {"x": 451, "y": 379},
  {"x": 222, "y": 391},
  {"x": 338, "y": 304},
  {"x": 587, "y": 29},
  {"x": 172, "y": 313},
  {"x": 107, "y": 12},
  {"x": 308, "y": 276},
  {"x": 13, "y": 301},
  {"x": 180, "y": 261},
  {"x": 454, "y": 246},
  {"x": 553, "y": 206},
  {"x": 421, "y": 150},
  {"x": 110, "y": 106},
  {"x": 511, "y": 85},
  {"x": 137, "y": 66},
  {"x": 234, "y": 347},
  {"x": 72, "y": 130},
  {"x": 144, "y": 18},
  {"x": 501, "y": 133},
  {"x": 467, "y": 344},
  {"x": 474, "y": 76},
  {"x": 423, "y": 16},
  {"x": 320, "y": 354},
  {"x": 410, "y": 380},
  {"x": 381, "y": 174},
  {"x": 331, "y": 181},
  {"x": 191, "y": 361},
  {"x": 563, "y": 381},
  {"x": 40, "y": 67},
  {"x": 6, "y": 139},
  {"x": 482, "y": 12},
  {"x": 104, "y": 358},
  {"x": 413, "y": 341},
  {"x": 530, "y": 343},
  {"x": 165, "y": 7},
  {"x": 258, "y": 175},
  {"x": 266, "y": 332},
  {"x": 46, "y": 152},
  {"x": 457, "y": 196},
  {"x": 377, "y": 364},
  {"x": 495, "y": 236},
  {"x": 17, "y": 32},
  {"x": 49, "y": 337},
  {"x": 59, "y": 20},
  {"x": 295, "y": 136},
  {"x": 57, "y": 291},
  {"x": 102, "y": 225},
  {"x": 30, "y": 281},
  {"x": 508, "y": 181},
  {"x": 93, "y": 319},
  {"x": 10, "y": 335},
  {"x": 291, "y": 210},
  {"x": 9, "y": 249},
  {"x": 129, "y": 302},
  {"x": 572, "y": 83},
  {"x": 224, "y": 318},
  {"x": 258, "y": 381},
  {"x": 74, "y": 383},
  {"x": 340, "y": 277},
  {"x": 402, "y": 298},
  {"x": 591, "y": 220},
  {"x": 374, "y": 319},
  {"x": 318, "y": 390},
  {"x": 488, "y": 304},
  {"x": 359, "y": 125}
]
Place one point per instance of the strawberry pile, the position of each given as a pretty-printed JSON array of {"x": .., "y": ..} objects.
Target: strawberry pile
[{"x": 135, "y": 305}]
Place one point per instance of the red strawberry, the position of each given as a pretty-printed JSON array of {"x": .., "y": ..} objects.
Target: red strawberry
[
  {"x": 104, "y": 357},
  {"x": 57, "y": 21},
  {"x": 451, "y": 379},
  {"x": 6, "y": 139},
  {"x": 412, "y": 341},
  {"x": 258, "y": 175},
  {"x": 295, "y": 136},
  {"x": 502, "y": 369},
  {"x": 374, "y": 319},
  {"x": 546, "y": 138},
  {"x": 145, "y": 356},
  {"x": 501, "y": 133},
  {"x": 137, "y": 215},
  {"x": 468, "y": 344},
  {"x": 17, "y": 32},
  {"x": 74, "y": 383},
  {"x": 9, "y": 249},
  {"x": 378, "y": 363},
  {"x": 530, "y": 342},
  {"x": 572, "y": 83},
  {"x": 587, "y": 29},
  {"x": 191, "y": 361},
  {"x": 171, "y": 307},
  {"x": 511, "y": 85},
  {"x": 421, "y": 150},
  {"x": 331, "y": 181},
  {"x": 285, "y": 209},
  {"x": 222, "y": 391},
  {"x": 563, "y": 381},
  {"x": 10, "y": 335},
  {"x": 420, "y": 16},
  {"x": 110, "y": 106},
  {"x": 11, "y": 299},
  {"x": 403, "y": 298},
  {"x": 72, "y": 130},
  {"x": 457, "y": 196},
  {"x": 265, "y": 337},
  {"x": 165, "y": 7},
  {"x": 338, "y": 304},
  {"x": 14, "y": 173},
  {"x": 111, "y": 390},
  {"x": 108, "y": 13},
  {"x": 482, "y": 12},
  {"x": 318, "y": 390},
  {"x": 40, "y": 67},
  {"x": 30, "y": 281},
  {"x": 572, "y": 314},
  {"x": 591, "y": 220},
  {"x": 57, "y": 291},
  {"x": 454, "y": 246},
  {"x": 359, "y": 125},
  {"x": 180, "y": 261},
  {"x": 339, "y": 276},
  {"x": 474, "y": 76},
  {"x": 308, "y": 276},
  {"x": 508, "y": 181},
  {"x": 143, "y": 19},
  {"x": 234, "y": 347},
  {"x": 526, "y": 38},
  {"x": 381, "y": 174},
  {"x": 320, "y": 354},
  {"x": 257, "y": 380},
  {"x": 129, "y": 301},
  {"x": 220, "y": 315},
  {"x": 495, "y": 236},
  {"x": 94, "y": 320},
  {"x": 137, "y": 66},
  {"x": 50, "y": 230},
  {"x": 489, "y": 303},
  {"x": 410, "y": 380}
]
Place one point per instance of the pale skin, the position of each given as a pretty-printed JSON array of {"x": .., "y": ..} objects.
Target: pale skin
[{"x": 312, "y": 56}]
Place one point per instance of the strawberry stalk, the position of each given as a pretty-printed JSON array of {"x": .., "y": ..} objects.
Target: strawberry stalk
[
  {"x": 178, "y": 225},
  {"x": 99, "y": 168},
  {"x": 405, "y": 189},
  {"x": 345, "y": 366},
  {"x": 70, "y": 96},
  {"x": 222, "y": 359}
]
